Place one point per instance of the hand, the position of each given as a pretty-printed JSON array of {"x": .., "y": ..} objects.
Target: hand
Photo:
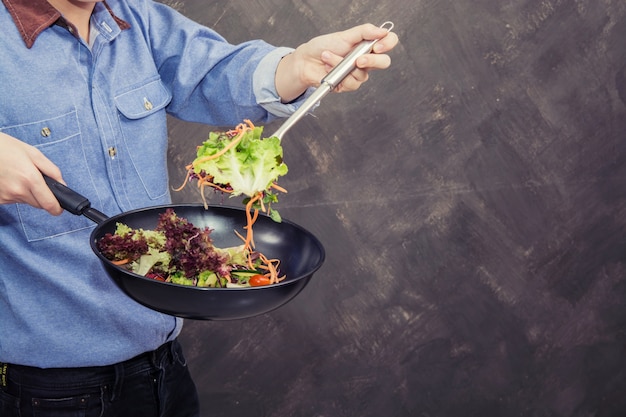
[
  {"x": 21, "y": 166},
  {"x": 311, "y": 61}
]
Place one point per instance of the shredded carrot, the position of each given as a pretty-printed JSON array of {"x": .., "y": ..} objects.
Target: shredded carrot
[
  {"x": 255, "y": 216},
  {"x": 272, "y": 266},
  {"x": 251, "y": 216},
  {"x": 278, "y": 187},
  {"x": 121, "y": 261},
  {"x": 189, "y": 172},
  {"x": 220, "y": 153},
  {"x": 239, "y": 235}
]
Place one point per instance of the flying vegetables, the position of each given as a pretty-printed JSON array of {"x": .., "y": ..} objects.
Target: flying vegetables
[{"x": 241, "y": 162}]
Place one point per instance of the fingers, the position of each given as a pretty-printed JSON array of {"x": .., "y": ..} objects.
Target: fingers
[
  {"x": 30, "y": 188},
  {"x": 366, "y": 31},
  {"x": 45, "y": 166},
  {"x": 313, "y": 60},
  {"x": 387, "y": 40},
  {"x": 373, "y": 61},
  {"x": 359, "y": 75},
  {"x": 40, "y": 190},
  {"x": 365, "y": 62},
  {"x": 386, "y": 43},
  {"x": 44, "y": 198},
  {"x": 21, "y": 181},
  {"x": 376, "y": 60},
  {"x": 352, "y": 81}
]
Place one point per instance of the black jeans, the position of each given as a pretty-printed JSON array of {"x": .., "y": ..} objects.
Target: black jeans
[{"x": 153, "y": 384}]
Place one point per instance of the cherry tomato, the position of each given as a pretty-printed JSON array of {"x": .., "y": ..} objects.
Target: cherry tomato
[{"x": 258, "y": 280}]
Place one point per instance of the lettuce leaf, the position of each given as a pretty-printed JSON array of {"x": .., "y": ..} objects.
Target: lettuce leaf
[
  {"x": 145, "y": 262},
  {"x": 247, "y": 168},
  {"x": 236, "y": 255}
]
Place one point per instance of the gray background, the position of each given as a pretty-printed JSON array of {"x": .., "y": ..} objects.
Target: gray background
[{"x": 472, "y": 203}]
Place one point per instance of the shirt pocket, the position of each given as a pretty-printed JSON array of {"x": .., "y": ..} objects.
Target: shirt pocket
[
  {"x": 59, "y": 139},
  {"x": 143, "y": 124}
]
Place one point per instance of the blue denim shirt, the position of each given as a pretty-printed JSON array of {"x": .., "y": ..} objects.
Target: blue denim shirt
[{"x": 99, "y": 113}]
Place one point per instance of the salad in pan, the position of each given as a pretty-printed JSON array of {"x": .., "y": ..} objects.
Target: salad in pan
[
  {"x": 241, "y": 162},
  {"x": 178, "y": 252},
  {"x": 236, "y": 162}
]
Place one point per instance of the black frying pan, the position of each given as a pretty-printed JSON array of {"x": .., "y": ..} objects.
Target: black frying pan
[{"x": 300, "y": 252}]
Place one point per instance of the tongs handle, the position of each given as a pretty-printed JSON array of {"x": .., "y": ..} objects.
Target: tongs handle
[
  {"x": 330, "y": 81},
  {"x": 348, "y": 63}
]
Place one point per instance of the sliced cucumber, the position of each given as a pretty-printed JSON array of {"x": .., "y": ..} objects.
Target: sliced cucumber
[
  {"x": 245, "y": 272},
  {"x": 243, "y": 275}
]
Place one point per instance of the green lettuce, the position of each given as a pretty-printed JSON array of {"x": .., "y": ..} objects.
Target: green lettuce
[
  {"x": 145, "y": 262},
  {"x": 247, "y": 168},
  {"x": 236, "y": 255}
]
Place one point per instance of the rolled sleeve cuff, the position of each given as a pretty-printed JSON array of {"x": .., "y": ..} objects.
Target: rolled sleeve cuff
[{"x": 264, "y": 85}]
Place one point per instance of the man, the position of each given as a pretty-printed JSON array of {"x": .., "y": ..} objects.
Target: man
[{"x": 85, "y": 88}]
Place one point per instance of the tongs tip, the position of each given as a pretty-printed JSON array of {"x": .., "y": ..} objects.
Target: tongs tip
[{"x": 387, "y": 25}]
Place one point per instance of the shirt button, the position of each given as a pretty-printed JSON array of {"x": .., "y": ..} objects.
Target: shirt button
[
  {"x": 45, "y": 132},
  {"x": 112, "y": 151},
  {"x": 147, "y": 104}
]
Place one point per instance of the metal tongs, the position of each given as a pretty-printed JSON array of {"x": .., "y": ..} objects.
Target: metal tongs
[{"x": 330, "y": 81}]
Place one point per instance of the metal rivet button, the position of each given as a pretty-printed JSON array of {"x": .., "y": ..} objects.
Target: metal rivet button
[
  {"x": 112, "y": 151},
  {"x": 45, "y": 132},
  {"x": 146, "y": 104}
]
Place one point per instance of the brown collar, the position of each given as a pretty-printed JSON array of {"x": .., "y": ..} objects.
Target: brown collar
[{"x": 32, "y": 17}]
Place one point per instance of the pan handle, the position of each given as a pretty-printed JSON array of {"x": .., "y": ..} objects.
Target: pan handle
[{"x": 74, "y": 202}]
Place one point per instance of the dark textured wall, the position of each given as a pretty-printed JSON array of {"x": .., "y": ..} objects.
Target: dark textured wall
[{"x": 472, "y": 202}]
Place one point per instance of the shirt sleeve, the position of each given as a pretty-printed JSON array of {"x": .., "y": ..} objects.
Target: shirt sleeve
[
  {"x": 265, "y": 87},
  {"x": 211, "y": 80}
]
